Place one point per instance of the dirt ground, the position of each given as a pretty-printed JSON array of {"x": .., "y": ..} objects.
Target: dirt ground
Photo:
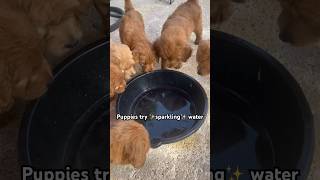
[
  {"x": 9, "y": 167},
  {"x": 189, "y": 158},
  {"x": 256, "y": 22}
]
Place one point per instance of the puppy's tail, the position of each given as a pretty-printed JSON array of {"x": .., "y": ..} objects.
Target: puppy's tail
[{"x": 128, "y": 5}]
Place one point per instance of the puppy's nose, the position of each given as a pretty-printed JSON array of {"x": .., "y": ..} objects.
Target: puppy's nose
[
  {"x": 285, "y": 37},
  {"x": 72, "y": 44}
]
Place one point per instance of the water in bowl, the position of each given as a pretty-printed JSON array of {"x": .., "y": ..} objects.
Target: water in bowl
[
  {"x": 166, "y": 101},
  {"x": 239, "y": 138}
]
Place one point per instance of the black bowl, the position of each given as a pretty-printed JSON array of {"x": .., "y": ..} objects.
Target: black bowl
[
  {"x": 116, "y": 12},
  {"x": 165, "y": 92},
  {"x": 261, "y": 117},
  {"x": 67, "y": 126}
]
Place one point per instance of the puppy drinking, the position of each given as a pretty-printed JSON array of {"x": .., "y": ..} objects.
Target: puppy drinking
[
  {"x": 172, "y": 46},
  {"x": 203, "y": 58},
  {"x": 132, "y": 33}
]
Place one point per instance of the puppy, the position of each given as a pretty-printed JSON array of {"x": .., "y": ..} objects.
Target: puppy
[
  {"x": 121, "y": 55},
  {"x": 117, "y": 80},
  {"x": 299, "y": 22},
  {"x": 56, "y": 22},
  {"x": 24, "y": 72},
  {"x": 203, "y": 58},
  {"x": 172, "y": 46},
  {"x": 129, "y": 141},
  {"x": 132, "y": 33}
]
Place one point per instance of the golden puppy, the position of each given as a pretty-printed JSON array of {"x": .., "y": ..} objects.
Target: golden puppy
[
  {"x": 24, "y": 72},
  {"x": 117, "y": 80},
  {"x": 56, "y": 21},
  {"x": 121, "y": 55},
  {"x": 299, "y": 21},
  {"x": 132, "y": 33},
  {"x": 203, "y": 58},
  {"x": 129, "y": 141},
  {"x": 172, "y": 46}
]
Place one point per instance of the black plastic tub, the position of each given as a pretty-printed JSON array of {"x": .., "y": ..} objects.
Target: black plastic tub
[
  {"x": 165, "y": 92},
  {"x": 261, "y": 117},
  {"x": 67, "y": 125}
]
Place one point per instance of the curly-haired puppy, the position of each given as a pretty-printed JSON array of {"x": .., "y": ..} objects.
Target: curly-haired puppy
[
  {"x": 203, "y": 58},
  {"x": 24, "y": 72},
  {"x": 172, "y": 46},
  {"x": 56, "y": 21},
  {"x": 121, "y": 55},
  {"x": 129, "y": 141},
  {"x": 132, "y": 33},
  {"x": 117, "y": 80},
  {"x": 299, "y": 21}
]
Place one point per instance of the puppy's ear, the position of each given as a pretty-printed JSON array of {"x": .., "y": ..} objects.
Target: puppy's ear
[{"x": 6, "y": 95}]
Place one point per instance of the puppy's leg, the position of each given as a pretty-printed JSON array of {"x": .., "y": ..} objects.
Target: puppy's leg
[
  {"x": 198, "y": 30},
  {"x": 220, "y": 10},
  {"x": 163, "y": 64}
]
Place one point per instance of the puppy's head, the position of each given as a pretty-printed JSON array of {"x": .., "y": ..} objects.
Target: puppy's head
[
  {"x": 117, "y": 80},
  {"x": 129, "y": 144},
  {"x": 56, "y": 21},
  {"x": 121, "y": 55},
  {"x": 299, "y": 22},
  {"x": 172, "y": 52},
  {"x": 146, "y": 57},
  {"x": 62, "y": 37}
]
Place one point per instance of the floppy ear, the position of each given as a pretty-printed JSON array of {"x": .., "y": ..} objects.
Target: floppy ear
[{"x": 6, "y": 96}]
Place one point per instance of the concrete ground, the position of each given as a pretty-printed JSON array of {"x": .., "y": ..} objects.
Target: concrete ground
[
  {"x": 256, "y": 22},
  {"x": 189, "y": 158},
  {"x": 9, "y": 166}
]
